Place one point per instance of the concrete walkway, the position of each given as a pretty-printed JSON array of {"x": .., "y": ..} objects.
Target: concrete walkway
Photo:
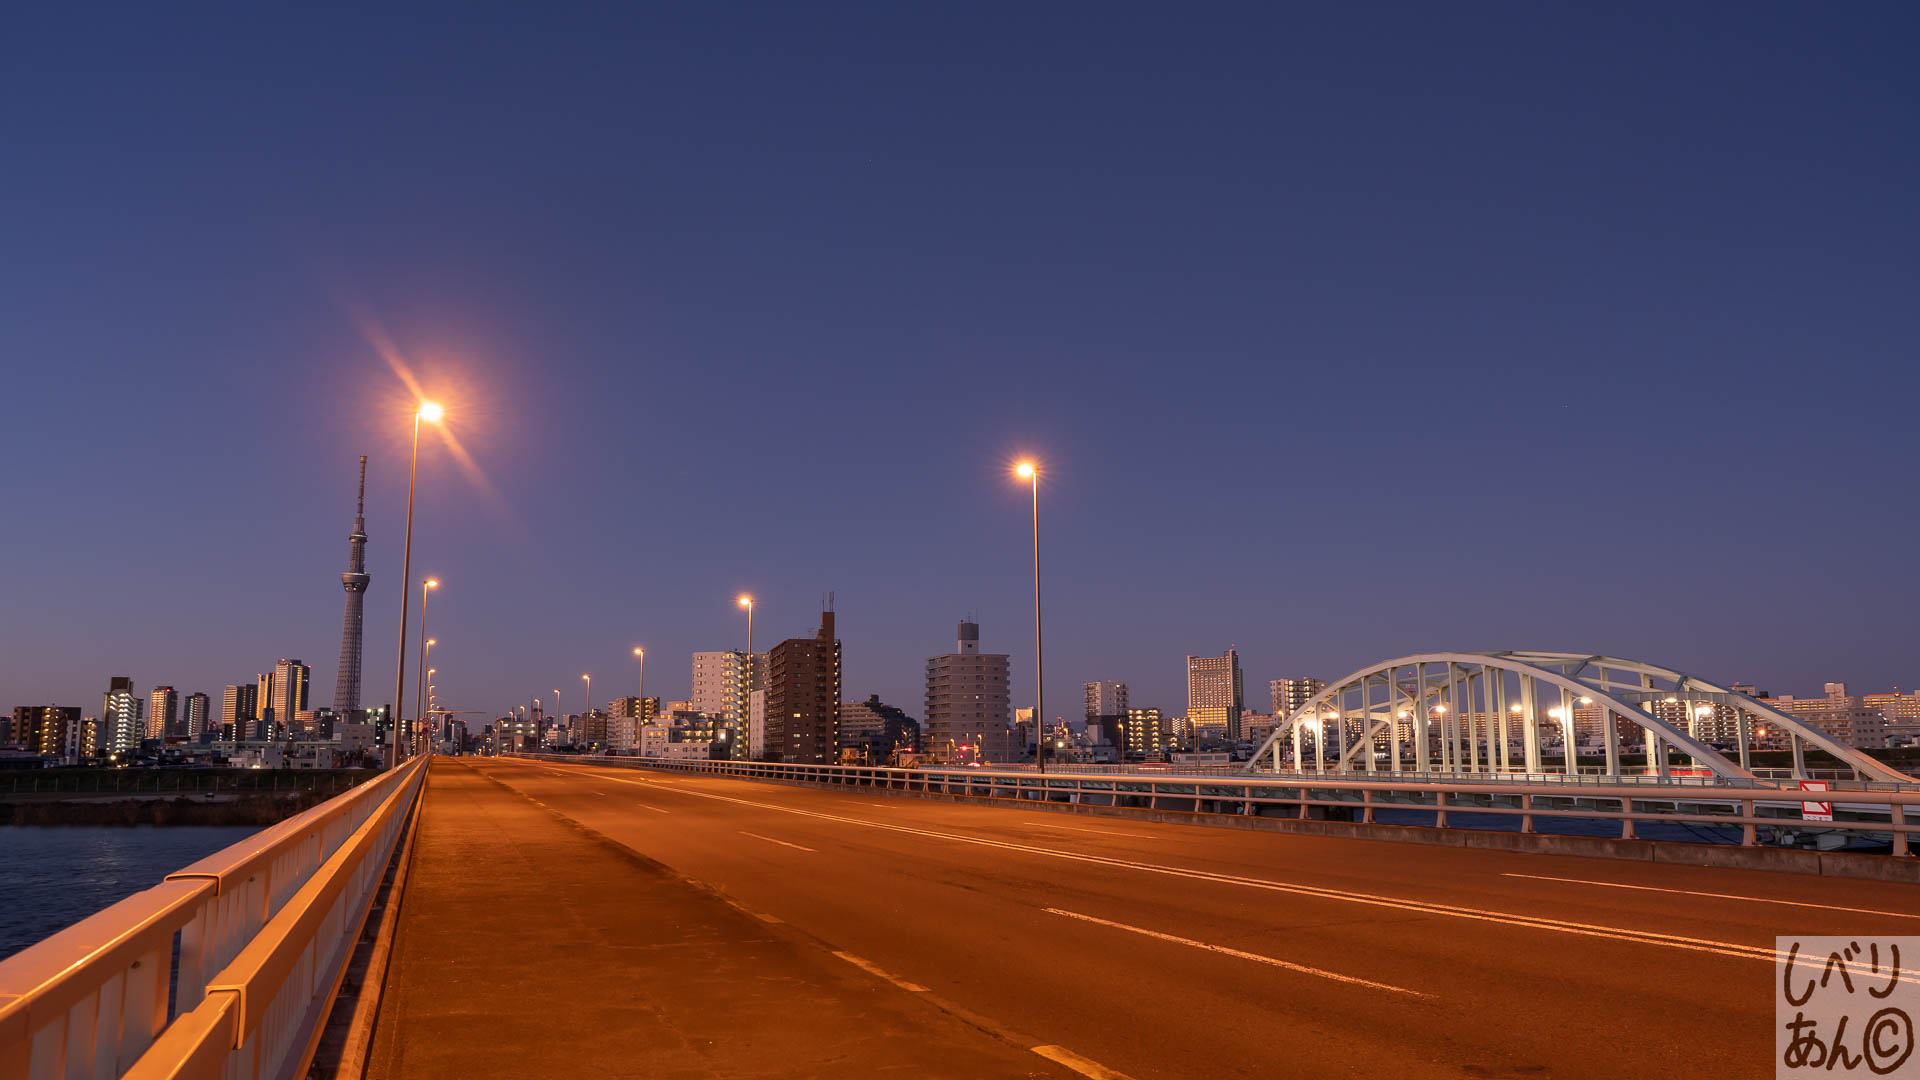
[{"x": 530, "y": 946}]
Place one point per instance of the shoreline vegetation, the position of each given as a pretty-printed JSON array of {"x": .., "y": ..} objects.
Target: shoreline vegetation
[
  {"x": 259, "y": 810},
  {"x": 168, "y": 796}
]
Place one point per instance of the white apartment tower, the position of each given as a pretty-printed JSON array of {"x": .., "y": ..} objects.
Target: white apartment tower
[
  {"x": 1290, "y": 694},
  {"x": 120, "y": 715},
  {"x": 968, "y": 701},
  {"x": 720, "y": 684}
]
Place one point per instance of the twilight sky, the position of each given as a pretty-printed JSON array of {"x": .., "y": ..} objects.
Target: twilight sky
[{"x": 1343, "y": 332}]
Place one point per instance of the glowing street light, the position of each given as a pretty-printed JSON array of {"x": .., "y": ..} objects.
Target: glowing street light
[
  {"x": 431, "y": 413},
  {"x": 746, "y": 601},
  {"x": 419, "y": 686},
  {"x": 589, "y": 681},
  {"x": 1030, "y": 472},
  {"x": 640, "y": 704}
]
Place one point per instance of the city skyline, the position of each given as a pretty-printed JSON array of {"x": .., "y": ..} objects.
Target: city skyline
[{"x": 1576, "y": 352}]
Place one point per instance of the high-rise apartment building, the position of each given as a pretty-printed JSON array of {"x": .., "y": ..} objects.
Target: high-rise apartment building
[
  {"x": 121, "y": 712},
  {"x": 1902, "y": 712},
  {"x": 1215, "y": 697},
  {"x": 1290, "y": 694},
  {"x": 239, "y": 711},
  {"x": 756, "y": 737},
  {"x": 803, "y": 697},
  {"x": 346, "y": 687},
  {"x": 721, "y": 683},
  {"x": 634, "y": 708},
  {"x": 1106, "y": 711},
  {"x": 264, "y": 719},
  {"x": 968, "y": 702},
  {"x": 163, "y": 712},
  {"x": 1145, "y": 734},
  {"x": 55, "y": 731},
  {"x": 876, "y": 729},
  {"x": 194, "y": 715},
  {"x": 289, "y": 695},
  {"x": 1706, "y": 721}
]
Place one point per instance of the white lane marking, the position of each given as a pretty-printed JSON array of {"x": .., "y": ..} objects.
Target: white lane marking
[
  {"x": 1256, "y": 957},
  {"x": 1720, "y": 895},
  {"x": 1074, "y": 828},
  {"x": 1083, "y": 1066},
  {"x": 1641, "y": 937},
  {"x": 649, "y": 806},
  {"x": 762, "y": 916},
  {"x": 874, "y": 969},
  {"x": 771, "y": 840}
]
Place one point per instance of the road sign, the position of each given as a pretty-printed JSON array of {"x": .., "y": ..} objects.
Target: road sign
[{"x": 1816, "y": 811}]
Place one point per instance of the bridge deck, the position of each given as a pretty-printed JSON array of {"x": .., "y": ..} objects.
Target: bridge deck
[
  {"x": 530, "y": 946},
  {"x": 545, "y": 932}
]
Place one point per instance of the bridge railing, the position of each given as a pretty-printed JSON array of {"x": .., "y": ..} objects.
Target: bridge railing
[
  {"x": 1880, "y": 816},
  {"x": 227, "y": 967}
]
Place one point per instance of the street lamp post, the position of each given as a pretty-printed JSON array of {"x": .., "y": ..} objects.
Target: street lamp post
[
  {"x": 589, "y": 706},
  {"x": 431, "y": 413},
  {"x": 640, "y": 703},
  {"x": 746, "y": 601},
  {"x": 1027, "y": 470},
  {"x": 420, "y": 674}
]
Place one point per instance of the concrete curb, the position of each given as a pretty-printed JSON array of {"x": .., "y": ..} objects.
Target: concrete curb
[{"x": 344, "y": 1054}]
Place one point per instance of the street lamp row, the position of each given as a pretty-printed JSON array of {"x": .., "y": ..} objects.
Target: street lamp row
[{"x": 431, "y": 413}]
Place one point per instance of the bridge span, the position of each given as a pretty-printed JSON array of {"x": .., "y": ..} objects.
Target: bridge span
[{"x": 571, "y": 917}]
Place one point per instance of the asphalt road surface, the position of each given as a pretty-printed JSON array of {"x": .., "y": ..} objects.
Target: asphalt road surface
[{"x": 1158, "y": 950}]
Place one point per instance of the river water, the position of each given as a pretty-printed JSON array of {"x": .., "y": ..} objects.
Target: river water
[{"x": 53, "y": 876}]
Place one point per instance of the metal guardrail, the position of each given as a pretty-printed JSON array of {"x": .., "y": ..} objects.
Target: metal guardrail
[
  {"x": 226, "y": 968},
  {"x": 1587, "y": 776},
  {"x": 1361, "y": 798}
]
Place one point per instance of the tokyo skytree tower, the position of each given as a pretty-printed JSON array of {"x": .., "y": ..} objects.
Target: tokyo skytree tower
[{"x": 346, "y": 689}]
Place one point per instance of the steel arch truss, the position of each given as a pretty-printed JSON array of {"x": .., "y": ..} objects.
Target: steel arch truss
[{"x": 1460, "y": 713}]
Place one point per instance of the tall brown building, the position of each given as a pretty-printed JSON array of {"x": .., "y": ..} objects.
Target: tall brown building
[
  {"x": 54, "y": 731},
  {"x": 803, "y": 697}
]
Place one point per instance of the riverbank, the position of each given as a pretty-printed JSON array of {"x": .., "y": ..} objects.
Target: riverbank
[{"x": 234, "y": 809}]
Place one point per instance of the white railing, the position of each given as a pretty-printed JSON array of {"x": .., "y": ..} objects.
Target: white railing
[
  {"x": 1355, "y": 798},
  {"x": 261, "y": 931}
]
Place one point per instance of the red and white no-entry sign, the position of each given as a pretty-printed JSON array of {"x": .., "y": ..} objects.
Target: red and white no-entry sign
[{"x": 1816, "y": 811}]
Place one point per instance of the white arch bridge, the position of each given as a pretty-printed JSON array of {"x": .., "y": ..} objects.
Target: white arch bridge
[{"x": 1462, "y": 714}]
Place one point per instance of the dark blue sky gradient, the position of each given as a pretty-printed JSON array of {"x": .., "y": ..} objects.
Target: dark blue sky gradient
[{"x": 1343, "y": 332}]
